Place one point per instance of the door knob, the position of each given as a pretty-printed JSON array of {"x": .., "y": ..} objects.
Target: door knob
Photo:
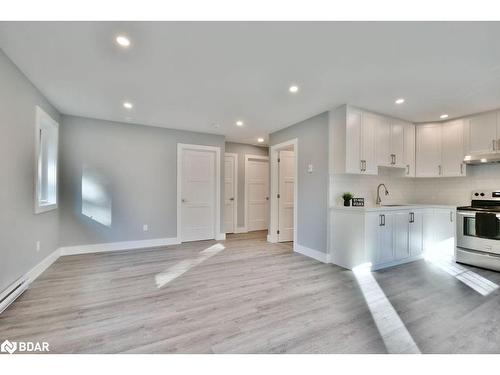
[
  {"x": 231, "y": 199},
  {"x": 183, "y": 200},
  {"x": 267, "y": 198}
]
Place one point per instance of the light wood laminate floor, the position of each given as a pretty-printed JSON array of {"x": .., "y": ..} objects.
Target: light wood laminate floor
[{"x": 251, "y": 297}]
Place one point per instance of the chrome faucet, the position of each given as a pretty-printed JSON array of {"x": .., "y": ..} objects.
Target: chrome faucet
[{"x": 378, "y": 201}]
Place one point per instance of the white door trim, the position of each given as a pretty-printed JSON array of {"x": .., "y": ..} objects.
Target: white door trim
[
  {"x": 180, "y": 148},
  {"x": 273, "y": 222},
  {"x": 247, "y": 158},
  {"x": 235, "y": 186}
]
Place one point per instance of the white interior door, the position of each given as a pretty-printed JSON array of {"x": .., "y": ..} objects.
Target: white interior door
[
  {"x": 229, "y": 193},
  {"x": 286, "y": 173},
  {"x": 257, "y": 193},
  {"x": 197, "y": 195}
]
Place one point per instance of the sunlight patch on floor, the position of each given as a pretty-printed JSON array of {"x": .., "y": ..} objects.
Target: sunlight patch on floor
[
  {"x": 396, "y": 337},
  {"x": 442, "y": 257},
  {"x": 183, "y": 266}
]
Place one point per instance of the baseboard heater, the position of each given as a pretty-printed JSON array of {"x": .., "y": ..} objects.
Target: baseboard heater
[{"x": 13, "y": 291}]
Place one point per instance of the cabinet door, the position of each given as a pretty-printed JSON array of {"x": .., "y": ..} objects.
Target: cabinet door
[
  {"x": 483, "y": 133},
  {"x": 453, "y": 148},
  {"x": 444, "y": 230},
  {"x": 385, "y": 248},
  {"x": 409, "y": 149},
  {"x": 397, "y": 143},
  {"x": 415, "y": 239},
  {"x": 439, "y": 231},
  {"x": 428, "y": 150},
  {"x": 384, "y": 143},
  {"x": 353, "y": 142},
  {"x": 401, "y": 234},
  {"x": 368, "y": 139}
]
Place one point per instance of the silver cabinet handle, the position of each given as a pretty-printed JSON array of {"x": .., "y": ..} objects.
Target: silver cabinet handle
[
  {"x": 394, "y": 155},
  {"x": 439, "y": 170},
  {"x": 412, "y": 217},
  {"x": 407, "y": 169},
  {"x": 382, "y": 220},
  {"x": 451, "y": 216},
  {"x": 364, "y": 165}
]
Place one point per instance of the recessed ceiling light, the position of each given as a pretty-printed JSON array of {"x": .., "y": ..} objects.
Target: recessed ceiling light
[
  {"x": 260, "y": 140},
  {"x": 293, "y": 89},
  {"x": 399, "y": 101},
  {"x": 123, "y": 41},
  {"x": 127, "y": 105},
  {"x": 443, "y": 116},
  {"x": 239, "y": 123}
]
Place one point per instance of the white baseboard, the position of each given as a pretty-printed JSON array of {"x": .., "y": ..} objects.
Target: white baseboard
[
  {"x": 311, "y": 253},
  {"x": 220, "y": 237},
  {"x": 43, "y": 265},
  {"x": 272, "y": 238},
  {"x": 118, "y": 246},
  {"x": 241, "y": 230}
]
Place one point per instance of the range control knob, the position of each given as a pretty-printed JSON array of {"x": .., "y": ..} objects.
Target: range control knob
[
  {"x": 482, "y": 194},
  {"x": 476, "y": 194}
]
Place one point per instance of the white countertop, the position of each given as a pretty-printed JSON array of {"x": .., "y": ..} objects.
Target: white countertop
[{"x": 392, "y": 208}]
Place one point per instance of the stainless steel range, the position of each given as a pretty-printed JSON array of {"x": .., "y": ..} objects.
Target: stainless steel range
[{"x": 478, "y": 231}]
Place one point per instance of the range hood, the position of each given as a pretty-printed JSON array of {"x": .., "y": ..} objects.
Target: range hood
[{"x": 492, "y": 157}]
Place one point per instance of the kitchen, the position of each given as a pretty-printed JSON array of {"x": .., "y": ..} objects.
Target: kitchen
[{"x": 421, "y": 185}]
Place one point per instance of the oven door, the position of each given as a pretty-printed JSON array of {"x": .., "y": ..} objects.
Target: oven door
[{"x": 466, "y": 234}]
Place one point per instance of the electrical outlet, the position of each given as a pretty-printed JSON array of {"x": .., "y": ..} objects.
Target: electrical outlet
[
  {"x": 37, "y": 246},
  {"x": 145, "y": 228}
]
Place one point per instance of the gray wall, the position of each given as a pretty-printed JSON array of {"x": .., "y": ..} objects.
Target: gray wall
[
  {"x": 312, "y": 210},
  {"x": 20, "y": 228},
  {"x": 242, "y": 150},
  {"x": 139, "y": 164}
]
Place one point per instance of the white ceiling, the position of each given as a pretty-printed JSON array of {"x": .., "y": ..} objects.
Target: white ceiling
[{"x": 191, "y": 75}]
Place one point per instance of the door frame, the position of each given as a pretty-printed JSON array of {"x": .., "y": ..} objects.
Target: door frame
[
  {"x": 217, "y": 214},
  {"x": 274, "y": 210},
  {"x": 247, "y": 159},
  {"x": 235, "y": 186}
]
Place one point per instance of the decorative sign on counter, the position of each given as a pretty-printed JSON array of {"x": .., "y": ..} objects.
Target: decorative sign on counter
[{"x": 358, "y": 202}]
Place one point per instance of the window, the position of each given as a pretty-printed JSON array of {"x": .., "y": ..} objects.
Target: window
[{"x": 46, "y": 142}]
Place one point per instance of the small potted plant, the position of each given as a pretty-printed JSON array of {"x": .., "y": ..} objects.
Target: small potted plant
[{"x": 347, "y": 199}]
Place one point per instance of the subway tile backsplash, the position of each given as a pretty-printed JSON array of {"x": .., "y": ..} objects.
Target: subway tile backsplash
[{"x": 446, "y": 190}]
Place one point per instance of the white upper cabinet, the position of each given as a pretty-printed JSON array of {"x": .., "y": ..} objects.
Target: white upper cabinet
[
  {"x": 440, "y": 149},
  {"x": 428, "y": 150},
  {"x": 390, "y": 143},
  {"x": 369, "y": 125},
  {"x": 453, "y": 148},
  {"x": 483, "y": 133},
  {"x": 384, "y": 143},
  {"x": 353, "y": 162},
  {"x": 397, "y": 143},
  {"x": 352, "y": 141},
  {"x": 409, "y": 149}
]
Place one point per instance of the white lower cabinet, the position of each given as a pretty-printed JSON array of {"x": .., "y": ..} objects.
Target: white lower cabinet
[
  {"x": 389, "y": 237},
  {"x": 415, "y": 233}
]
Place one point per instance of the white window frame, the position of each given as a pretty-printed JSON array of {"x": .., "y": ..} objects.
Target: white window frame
[{"x": 43, "y": 118}]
